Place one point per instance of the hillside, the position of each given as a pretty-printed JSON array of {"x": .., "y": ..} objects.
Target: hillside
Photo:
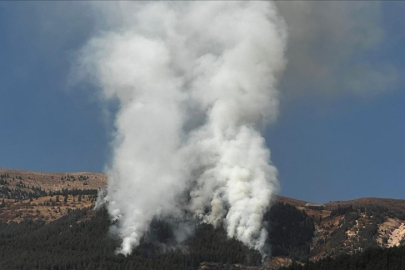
[
  {"x": 46, "y": 196},
  {"x": 296, "y": 232},
  {"x": 27, "y": 180}
]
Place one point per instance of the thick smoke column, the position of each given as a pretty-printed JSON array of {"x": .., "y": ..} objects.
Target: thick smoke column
[{"x": 196, "y": 83}]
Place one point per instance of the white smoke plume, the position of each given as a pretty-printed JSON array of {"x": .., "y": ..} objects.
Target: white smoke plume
[{"x": 196, "y": 84}]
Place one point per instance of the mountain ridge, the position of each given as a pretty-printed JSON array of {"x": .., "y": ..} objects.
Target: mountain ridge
[{"x": 41, "y": 178}]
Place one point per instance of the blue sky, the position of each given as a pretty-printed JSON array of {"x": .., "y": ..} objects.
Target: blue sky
[{"x": 340, "y": 133}]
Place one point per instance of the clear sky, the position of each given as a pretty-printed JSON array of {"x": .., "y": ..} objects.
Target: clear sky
[{"x": 340, "y": 133}]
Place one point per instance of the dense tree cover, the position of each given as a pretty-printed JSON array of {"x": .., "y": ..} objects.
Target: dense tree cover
[
  {"x": 73, "y": 192},
  {"x": 21, "y": 192},
  {"x": 68, "y": 244},
  {"x": 377, "y": 212},
  {"x": 340, "y": 211},
  {"x": 371, "y": 259},
  {"x": 290, "y": 231},
  {"x": 73, "y": 178}
]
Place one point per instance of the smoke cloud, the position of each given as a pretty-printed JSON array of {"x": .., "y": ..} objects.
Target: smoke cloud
[
  {"x": 196, "y": 84},
  {"x": 334, "y": 50}
]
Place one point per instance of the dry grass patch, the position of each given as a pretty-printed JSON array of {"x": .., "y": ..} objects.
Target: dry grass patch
[{"x": 44, "y": 208}]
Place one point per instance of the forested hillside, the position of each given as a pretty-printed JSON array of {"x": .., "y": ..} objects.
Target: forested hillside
[
  {"x": 44, "y": 227},
  {"x": 371, "y": 259},
  {"x": 290, "y": 231},
  {"x": 68, "y": 244}
]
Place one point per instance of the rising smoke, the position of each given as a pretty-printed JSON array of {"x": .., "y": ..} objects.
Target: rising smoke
[{"x": 196, "y": 85}]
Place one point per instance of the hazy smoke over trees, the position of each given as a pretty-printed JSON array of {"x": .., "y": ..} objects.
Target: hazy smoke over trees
[{"x": 196, "y": 84}]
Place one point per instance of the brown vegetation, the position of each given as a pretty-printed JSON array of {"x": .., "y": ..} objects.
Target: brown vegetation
[
  {"x": 391, "y": 204},
  {"x": 44, "y": 208},
  {"x": 55, "y": 181}
]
